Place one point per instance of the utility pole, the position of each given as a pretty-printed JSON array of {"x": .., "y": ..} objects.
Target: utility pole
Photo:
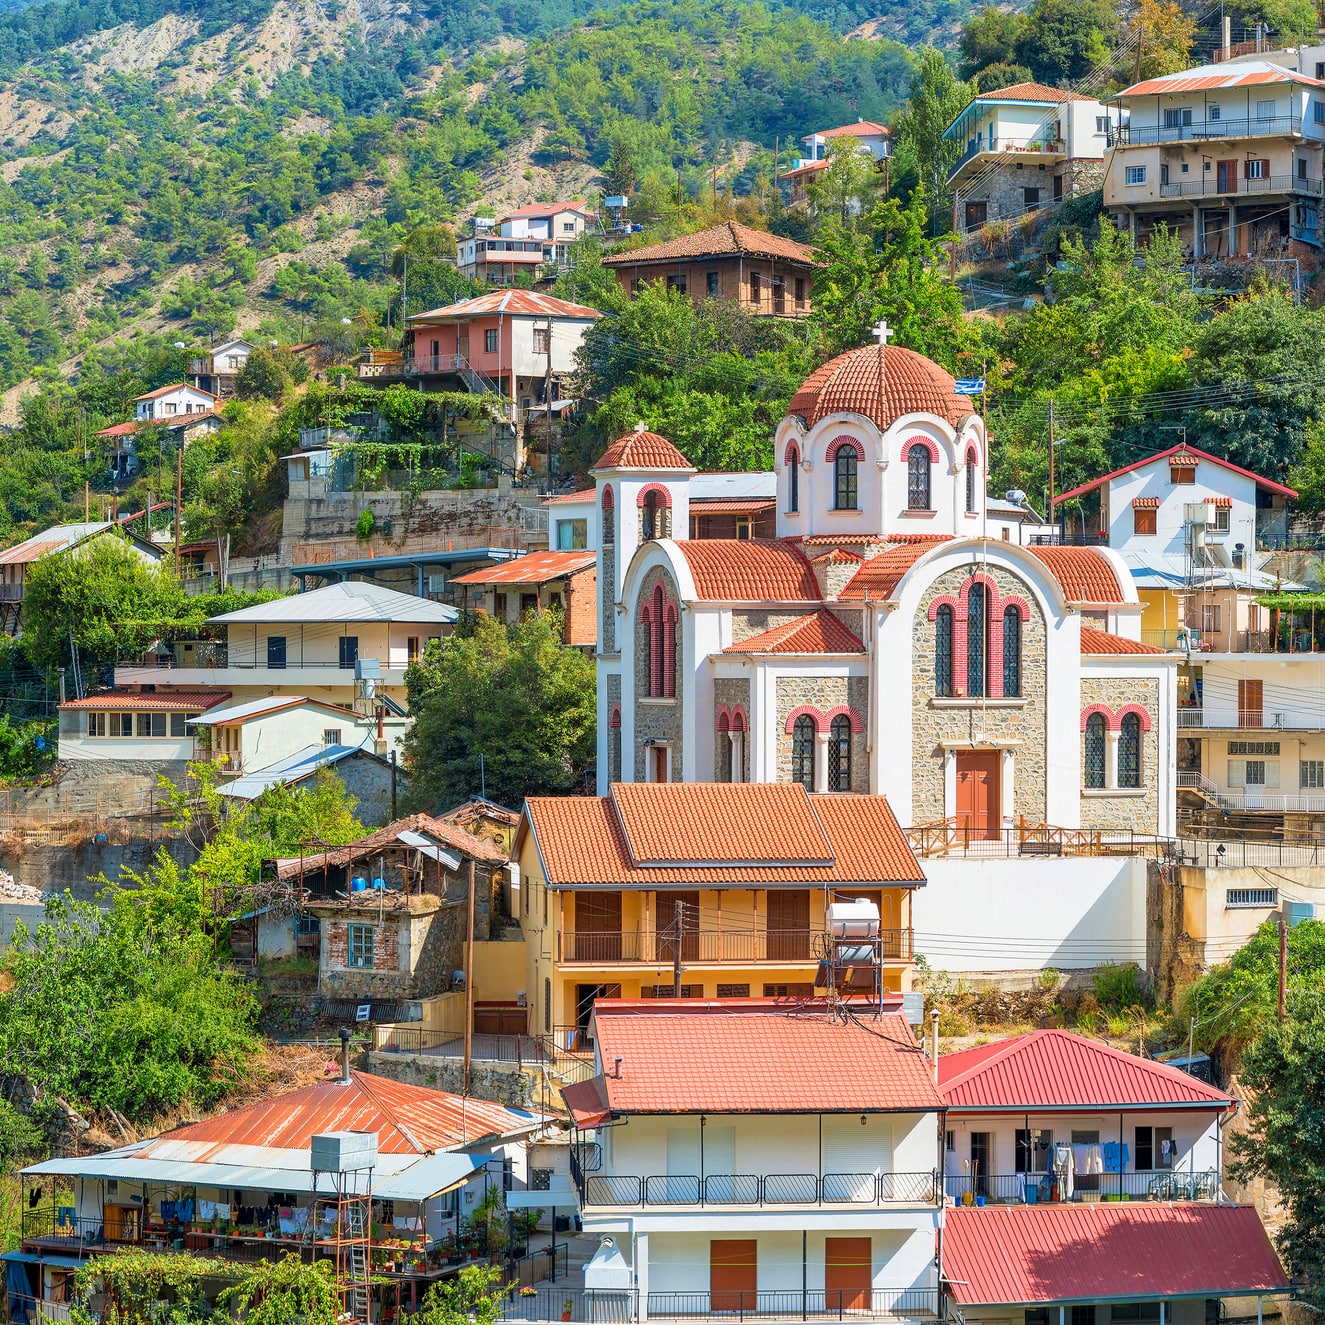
[
  {"x": 676, "y": 950},
  {"x": 179, "y": 497},
  {"x": 469, "y": 983},
  {"x": 1283, "y": 971},
  {"x": 1051, "y": 464},
  {"x": 547, "y": 401}
]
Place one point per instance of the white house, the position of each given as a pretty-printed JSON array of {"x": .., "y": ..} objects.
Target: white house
[
  {"x": 867, "y": 135},
  {"x": 166, "y": 403},
  {"x": 762, "y": 1159},
  {"x": 215, "y": 371}
]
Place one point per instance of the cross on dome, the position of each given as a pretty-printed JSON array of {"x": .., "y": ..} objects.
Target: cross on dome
[
  {"x": 882, "y": 331},
  {"x": 641, "y": 426}
]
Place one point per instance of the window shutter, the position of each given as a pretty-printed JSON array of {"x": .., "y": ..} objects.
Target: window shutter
[
  {"x": 1271, "y": 772},
  {"x": 1237, "y": 772}
]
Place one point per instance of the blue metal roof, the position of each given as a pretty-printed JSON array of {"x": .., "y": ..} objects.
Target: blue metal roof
[{"x": 293, "y": 768}]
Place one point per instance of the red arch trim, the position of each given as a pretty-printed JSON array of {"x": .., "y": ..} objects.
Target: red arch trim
[
  {"x": 806, "y": 711},
  {"x": 1110, "y": 722},
  {"x": 664, "y": 496},
  {"x": 614, "y": 717},
  {"x": 839, "y": 443},
  {"x": 925, "y": 442},
  {"x": 972, "y": 454},
  {"x": 724, "y": 719},
  {"x": 609, "y": 501},
  {"x": 845, "y": 710},
  {"x": 944, "y": 600},
  {"x": 1140, "y": 712},
  {"x": 740, "y": 723},
  {"x": 1012, "y": 600},
  {"x": 792, "y": 455}
]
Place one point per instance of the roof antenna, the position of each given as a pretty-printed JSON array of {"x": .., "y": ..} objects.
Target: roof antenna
[
  {"x": 616, "y": 1064},
  {"x": 344, "y": 1034}
]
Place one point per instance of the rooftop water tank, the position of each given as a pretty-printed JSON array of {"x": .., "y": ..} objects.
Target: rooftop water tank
[{"x": 858, "y": 920}]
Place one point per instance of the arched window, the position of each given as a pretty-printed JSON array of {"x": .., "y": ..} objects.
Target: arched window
[
  {"x": 1129, "y": 751},
  {"x": 669, "y": 650},
  {"x": 654, "y": 633},
  {"x": 839, "y": 754},
  {"x": 793, "y": 480},
  {"x": 917, "y": 479},
  {"x": 1094, "y": 750},
  {"x": 844, "y": 475},
  {"x": 943, "y": 651},
  {"x": 1011, "y": 653},
  {"x": 970, "y": 486},
  {"x": 724, "y": 743},
  {"x": 802, "y": 750},
  {"x": 609, "y": 516},
  {"x": 975, "y": 639},
  {"x": 649, "y": 516}
]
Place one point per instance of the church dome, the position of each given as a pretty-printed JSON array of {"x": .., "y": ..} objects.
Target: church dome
[
  {"x": 853, "y": 384},
  {"x": 641, "y": 449}
]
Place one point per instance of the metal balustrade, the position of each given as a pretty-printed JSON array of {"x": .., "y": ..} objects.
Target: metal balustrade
[
  {"x": 1208, "y": 186},
  {"x": 1083, "y": 1188},
  {"x": 1274, "y": 126},
  {"x": 769, "y": 1189},
  {"x": 736, "y": 946}
]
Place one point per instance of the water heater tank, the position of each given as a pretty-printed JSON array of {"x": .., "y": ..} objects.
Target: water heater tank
[{"x": 853, "y": 920}]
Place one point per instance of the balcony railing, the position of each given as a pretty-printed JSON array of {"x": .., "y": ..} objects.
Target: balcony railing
[
  {"x": 1083, "y": 1188},
  {"x": 1255, "y": 720},
  {"x": 794, "y": 1304},
  {"x": 735, "y": 946},
  {"x": 780, "y": 1190},
  {"x": 1276, "y": 126},
  {"x": 1209, "y": 187},
  {"x": 1050, "y": 146}
]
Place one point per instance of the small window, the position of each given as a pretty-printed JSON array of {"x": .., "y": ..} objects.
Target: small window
[
  {"x": 1242, "y": 898},
  {"x": 1154, "y": 1149},
  {"x": 844, "y": 473},
  {"x": 1177, "y": 116},
  {"x": 331, "y": 735},
  {"x": 802, "y": 751},
  {"x": 568, "y": 227},
  {"x": 800, "y": 291},
  {"x": 179, "y": 724},
  {"x": 1134, "y": 175},
  {"x": 976, "y": 628},
  {"x": 490, "y": 341},
  {"x": 1311, "y": 774},
  {"x": 970, "y": 487},
  {"x": 1214, "y": 112},
  {"x": 1144, "y": 520},
  {"x": 411, "y": 648},
  {"x": 1253, "y": 747},
  {"x": 1030, "y": 199},
  {"x": 1222, "y": 516},
  {"x": 918, "y": 466},
  {"x": 1129, "y": 751},
  {"x": 1265, "y": 110},
  {"x": 839, "y": 754},
  {"x": 711, "y": 284},
  {"x": 1181, "y": 475},
  {"x": 754, "y": 288},
  {"x": 1101, "y": 124},
  {"x": 677, "y": 283},
  {"x": 1011, "y": 653},
  {"x": 943, "y": 651},
  {"x": 733, "y": 991},
  {"x": 542, "y": 341},
  {"x": 96, "y": 724},
  {"x": 499, "y": 606},
  {"x": 359, "y": 943},
  {"x": 1259, "y": 169},
  {"x": 573, "y": 535},
  {"x": 1317, "y": 111}
]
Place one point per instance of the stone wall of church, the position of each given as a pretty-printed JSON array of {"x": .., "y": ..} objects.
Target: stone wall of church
[
  {"x": 824, "y": 693},
  {"x": 607, "y": 599},
  {"x": 657, "y": 720},
  {"x": 1125, "y": 809},
  {"x": 613, "y": 733},
  {"x": 731, "y": 690},
  {"x": 935, "y": 720}
]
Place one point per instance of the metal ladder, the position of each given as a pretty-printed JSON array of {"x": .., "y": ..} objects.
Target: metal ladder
[{"x": 356, "y": 1227}]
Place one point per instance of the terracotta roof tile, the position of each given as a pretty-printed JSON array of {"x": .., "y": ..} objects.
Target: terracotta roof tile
[
  {"x": 1028, "y": 92},
  {"x": 1145, "y": 503},
  {"x": 750, "y": 570},
  {"x": 489, "y": 853},
  {"x": 879, "y": 576},
  {"x": 1054, "y": 1068},
  {"x": 174, "y": 386},
  {"x": 838, "y": 556},
  {"x": 728, "y": 238},
  {"x": 850, "y": 384},
  {"x": 861, "y": 129},
  {"x": 1183, "y": 460},
  {"x": 642, "y": 449},
  {"x": 1038, "y": 1254},
  {"x": 121, "y": 429},
  {"x": 1085, "y": 574},
  {"x": 1101, "y": 641},
  {"x": 582, "y": 841},
  {"x": 157, "y": 700},
  {"x": 537, "y": 209},
  {"x": 525, "y": 303},
  {"x": 532, "y": 568},
  {"x": 583, "y": 495},
  {"x": 718, "y": 1060},
  {"x": 820, "y": 632},
  {"x": 731, "y": 505}
]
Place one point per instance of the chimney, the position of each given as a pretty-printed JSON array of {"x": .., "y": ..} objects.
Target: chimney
[
  {"x": 1226, "y": 40},
  {"x": 344, "y": 1033},
  {"x": 934, "y": 1044}
]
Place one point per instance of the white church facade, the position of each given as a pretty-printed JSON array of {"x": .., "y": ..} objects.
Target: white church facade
[{"x": 883, "y": 642}]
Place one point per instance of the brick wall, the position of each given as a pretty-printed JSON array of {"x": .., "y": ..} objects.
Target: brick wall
[
  {"x": 581, "y": 604},
  {"x": 733, "y": 281},
  {"x": 413, "y": 954}
]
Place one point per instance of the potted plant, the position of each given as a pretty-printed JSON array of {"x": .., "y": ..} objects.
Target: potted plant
[
  {"x": 527, "y": 1291},
  {"x": 566, "y": 1308}
]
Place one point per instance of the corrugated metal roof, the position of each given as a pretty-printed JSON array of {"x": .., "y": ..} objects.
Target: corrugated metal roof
[
  {"x": 355, "y": 600},
  {"x": 1210, "y": 77},
  {"x": 54, "y": 539},
  {"x": 532, "y": 568},
  {"x": 236, "y": 714},
  {"x": 732, "y": 505},
  {"x": 1047, "y": 1254},
  {"x": 286, "y": 772},
  {"x": 1057, "y": 1069}
]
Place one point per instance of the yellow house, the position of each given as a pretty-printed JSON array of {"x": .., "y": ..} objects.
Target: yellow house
[{"x": 706, "y": 890}]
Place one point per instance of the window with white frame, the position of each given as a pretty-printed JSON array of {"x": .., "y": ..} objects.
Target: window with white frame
[
  {"x": 1253, "y": 774},
  {"x": 359, "y": 947},
  {"x": 1317, "y": 111},
  {"x": 331, "y": 735},
  {"x": 1311, "y": 774},
  {"x": 1242, "y": 899},
  {"x": 1214, "y": 112},
  {"x": 542, "y": 343},
  {"x": 1134, "y": 175},
  {"x": 1265, "y": 110},
  {"x": 1223, "y": 514}
]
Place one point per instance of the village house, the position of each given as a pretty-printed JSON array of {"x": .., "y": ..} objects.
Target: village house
[
  {"x": 399, "y": 1171},
  {"x": 523, "y": 241},
  {"x": 762, "y": 1160},
  {"x": 215, "y": 372},
  {"x": 1085, "y": 1182},
  {"x": 704, "y": 890},
  {"x": 537, "y": 582},
  {"x": 167, "y": 403},
  {"x": 1229, "y": 155},
  {"x": 1025, "y": 148},
  {"x": 866, "y": 135},
  {"x": 14, "y": 561},
  {"x": 762, "y": 273},
  {"x": 883, "y": 581}
]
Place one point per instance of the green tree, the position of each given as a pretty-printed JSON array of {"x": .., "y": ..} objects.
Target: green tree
[
  {"x": 476, "y": 1296},
  {"x": 19, "y": 1136},
  {"x": 285, "y": 1292},
  {"x": 989, "y": 37},
  {"x": 1062, "y": 40},
  {"x": 937, "y": 97},
  {"x": 137, "y": 1283},
  {"x": 841, "y": 191},
  {"x": 620, "y": 175},
  {"x": 264, "y": 376},
  {"x": 515, "y": 698}
]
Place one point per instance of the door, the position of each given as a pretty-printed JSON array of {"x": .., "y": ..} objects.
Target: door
[
  {"x": 1251, "y": 703},
  {"x": 977, "y": 793},
  {"x": 349, "y": 651},
  {"x": 684, "y": 1160},
  {"x": 981, "y": 1156},
  {"x": 658, "y": 763},
  {"x": 856, "y": 1158},
  {"x": 666, "y": 926},
  {"x": 597, "y": 934},
  {"x": 720, "y": 1164},
  {"x": 276, "y": 651},
  {"x": 733, "y": 1274},
  {"x": 585, "y": 997},
  {"x": 789, "y": 925},
  {"x": 1226, "y": 176},
  {"x": 977, "y": 213},
  {"x": 848, "y": 1274},
  {"x": 462, "y": 343}
]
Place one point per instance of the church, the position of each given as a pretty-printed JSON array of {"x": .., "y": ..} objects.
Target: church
[{"x": 887, "y": 640}]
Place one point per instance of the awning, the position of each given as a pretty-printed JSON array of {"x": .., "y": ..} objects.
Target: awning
[
  {"x": 555, "y": 1198},
  {"x": 40, "y": 1258},
  {"x": 1051, "y": 1255},
  {"x": 587, "y": 1102}
]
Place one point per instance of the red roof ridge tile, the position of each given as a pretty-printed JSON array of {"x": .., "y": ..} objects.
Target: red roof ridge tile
[{"x": 1103, "y": 642}]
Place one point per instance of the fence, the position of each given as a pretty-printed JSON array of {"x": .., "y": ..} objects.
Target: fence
[
  {"x": 961, "y": 837},
  {"x": 766, "y": 1189},
  {"x": 1049, "y": 1188},
  {"x": 739, "y": 946},
  {"x": 81, "y": 813},
  {"x": 616, "y": 1307}
]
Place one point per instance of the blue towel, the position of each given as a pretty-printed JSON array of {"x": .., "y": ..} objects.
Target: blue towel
[
  {"x": 64, "y": 1217},
  {"x": 1116, "y": 1156}
]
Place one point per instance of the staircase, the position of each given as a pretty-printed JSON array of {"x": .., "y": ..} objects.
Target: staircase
[{"x": 1200, "y": 785}]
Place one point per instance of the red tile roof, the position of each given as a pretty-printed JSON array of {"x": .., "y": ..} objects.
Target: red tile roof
[
  {"x": 750, "y": 570},
  {"x": 838, "y": 556},
  {"x": 820, "y": 632},
  {"x": 731, "y": 505},
  {"x": 1180, "y": 455},
  {"x": 742, "y": 834},
  {"x": 728, "y": 239},
  {"x": 198, "y": 700},
  {"x": 523, "y": 303},
  {"x": 642, "y": 449},
  {"x": 1084, "y": 574},
  {"x": 715, "y": 1059},
  {"x": 880, "y": 575},
  {"x": 1057, "y": 1069},
  {"x": 408, "y": 1120},
  {"x": 583, "y": 495},
  {"x": 488, "y": 853},
  {"x": 174, "y": 386},
  {"x": 1101, "y": 641},
  {"x": 532, "y": 568},
  {"x": 1032, "y": 1255},
  {"x": 1145, "y": 503},
  {"x": 548, "y": 209},
  {"x": 850, "y": 384},
  {"x": 861, "y": 129},
  {"x": 1028, "y": 92}
]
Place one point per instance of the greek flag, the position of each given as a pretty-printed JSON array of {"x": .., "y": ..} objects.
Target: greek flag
[{"x": 970, "y": 386}]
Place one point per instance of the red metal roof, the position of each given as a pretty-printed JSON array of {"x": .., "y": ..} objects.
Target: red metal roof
[
  {"x": 408, "y": 1120},
  {"x": 850, "y": 384},
  {"x": 548, "y": 209},
  {"x": 750, "y": 570},
  {"x": 532, "y": 568},
  {"x": 1057, "y": 1069},
  {"x": 1084, "y": 573},
  {"x": 731, "y": 505},
  {"x": 1186, "y": 455},
  {"x": 1101, "y": 641},
  {"x": 198, "y": 700},
  {"x": 739, "y": 835},
  {"x": 720, "y": 1058},
  {"x": 642, "y": 449},
  {"x": 1254, "y": 73},
  {"x": 820, "y": 632},
  {"x": 1027, "y": 1255},
  {"x": 121, "y": 429}
]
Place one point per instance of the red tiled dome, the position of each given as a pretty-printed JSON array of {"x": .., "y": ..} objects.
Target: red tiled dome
[
  {"x": 641, "y": 449},
  {"x": 849, "y": 384}
]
